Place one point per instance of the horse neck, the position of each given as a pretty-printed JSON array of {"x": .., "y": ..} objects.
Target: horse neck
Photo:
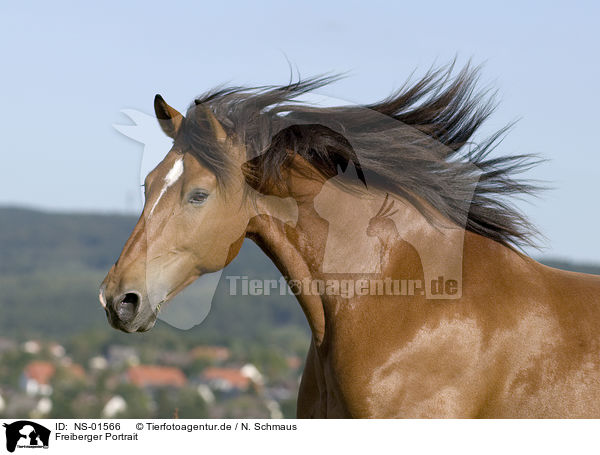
[
  {"x": 295, "y": 252},
  {"x": 330, "y": 240}
]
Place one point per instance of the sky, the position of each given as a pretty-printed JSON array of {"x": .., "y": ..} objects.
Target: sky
[{"x": 70, "y": 68}]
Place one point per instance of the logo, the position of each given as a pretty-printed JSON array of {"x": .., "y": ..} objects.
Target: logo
[{"x": 26, "y": 435}]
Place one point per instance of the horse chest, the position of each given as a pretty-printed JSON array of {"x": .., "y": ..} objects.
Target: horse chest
[{"x": 435, "y": 373}]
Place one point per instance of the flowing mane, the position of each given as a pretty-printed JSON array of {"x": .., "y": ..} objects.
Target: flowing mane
[{"x": 415, "y": 143}]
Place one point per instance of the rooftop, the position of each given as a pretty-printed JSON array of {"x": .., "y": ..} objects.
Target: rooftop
[
  {"x": 232, "y": 376},
  {"x": 40, "y": 371},
  {"x": 156, "y": 376}
]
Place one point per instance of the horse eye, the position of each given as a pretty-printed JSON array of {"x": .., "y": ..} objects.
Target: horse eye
[{"x": 197, "y": 197}]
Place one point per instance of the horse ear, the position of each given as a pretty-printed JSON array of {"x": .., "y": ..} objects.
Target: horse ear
[
  {"x": 215, "y": 125},
  {"x": 220, "y": 133},
  {"x": 168, "y": 118}
]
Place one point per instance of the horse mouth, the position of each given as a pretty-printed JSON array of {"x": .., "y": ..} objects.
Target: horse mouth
[{"x": 142, "y": 323}]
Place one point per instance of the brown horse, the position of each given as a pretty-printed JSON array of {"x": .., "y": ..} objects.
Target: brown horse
[{"x": 441, "y": 314}]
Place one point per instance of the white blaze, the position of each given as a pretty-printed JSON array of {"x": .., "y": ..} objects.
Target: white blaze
[{"x": 171, "y": 177}]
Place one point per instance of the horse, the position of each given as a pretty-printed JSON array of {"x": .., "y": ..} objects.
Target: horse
[{"x": 396, "y": 203}]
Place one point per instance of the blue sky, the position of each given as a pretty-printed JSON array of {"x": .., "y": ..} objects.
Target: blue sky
[{"x": 68, "y": 69}]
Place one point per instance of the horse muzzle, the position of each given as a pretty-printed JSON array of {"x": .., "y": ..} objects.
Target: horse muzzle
[{"x": 127, "y": 311}]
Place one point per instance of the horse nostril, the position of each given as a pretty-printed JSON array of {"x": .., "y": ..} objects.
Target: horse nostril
[{"x": 126, "y": 306}]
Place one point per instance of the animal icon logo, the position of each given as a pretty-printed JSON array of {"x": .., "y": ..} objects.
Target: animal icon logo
[{"x": 26, "y": 434}]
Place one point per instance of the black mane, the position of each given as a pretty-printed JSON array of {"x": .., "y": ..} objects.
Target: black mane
[{"x": 415, "y": 143}]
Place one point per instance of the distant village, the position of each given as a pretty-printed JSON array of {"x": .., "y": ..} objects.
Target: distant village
[{"x": 40, "y": 379}]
